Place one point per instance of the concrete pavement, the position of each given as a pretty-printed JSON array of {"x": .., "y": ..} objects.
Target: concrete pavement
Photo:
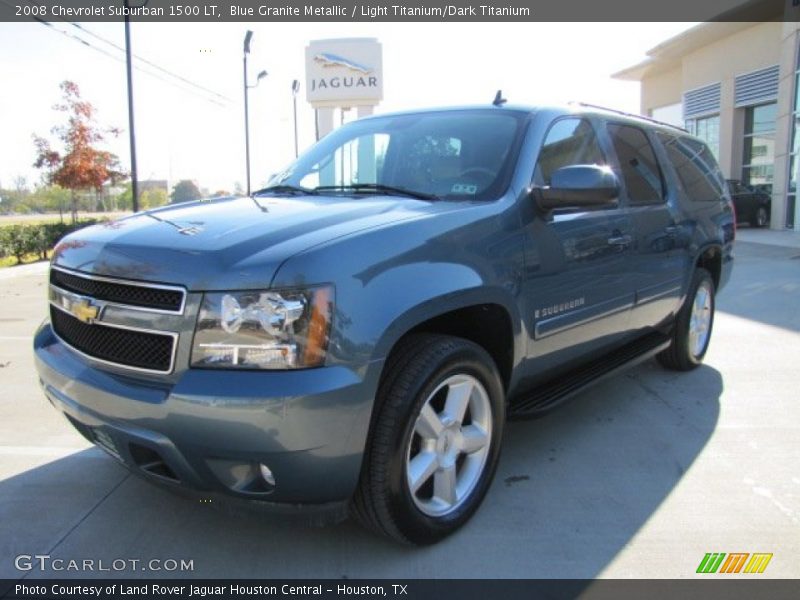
[{"x": 639, "y": 477}]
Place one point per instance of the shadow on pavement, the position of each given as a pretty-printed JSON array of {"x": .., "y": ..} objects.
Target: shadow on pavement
[{"x": 571, "y": 491}]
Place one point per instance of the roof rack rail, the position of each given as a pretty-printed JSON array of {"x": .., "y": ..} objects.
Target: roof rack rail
[{"x": 627, "y": 114}]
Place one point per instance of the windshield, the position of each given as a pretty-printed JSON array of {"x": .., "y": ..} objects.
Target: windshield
[{"x": 464, "y": 154}]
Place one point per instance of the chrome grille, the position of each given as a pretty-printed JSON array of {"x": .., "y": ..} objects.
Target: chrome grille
[
  {"x": 143, "y": 350},
  {"x": 148, "y": 296}
]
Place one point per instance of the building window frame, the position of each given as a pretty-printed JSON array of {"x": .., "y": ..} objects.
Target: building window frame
[
  {"x": 750, "y": 134},
  {"x": 706, "y": 127},
  {"x": 793, "y": 158}
]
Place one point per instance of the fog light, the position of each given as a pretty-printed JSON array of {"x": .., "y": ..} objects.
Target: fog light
[{"x": 267, "y": 474}]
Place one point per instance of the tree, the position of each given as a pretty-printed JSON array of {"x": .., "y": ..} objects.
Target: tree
[
  {"x": 81, "y": 166},
  {"x": 185, "y": 190},
  {"x": 51, "y": 198},
  {"x": 15, "y": 199},
  {"x": 153, "y": 198}
]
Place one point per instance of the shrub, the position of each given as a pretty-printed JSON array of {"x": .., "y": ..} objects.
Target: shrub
[
  {"x": 21, "y": 240},
  {"x": 17, "y": 240}
]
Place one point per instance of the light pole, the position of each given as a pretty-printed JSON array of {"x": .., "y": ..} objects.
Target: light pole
[
  {"x": 295, "y": 89},
  {"x": 131, "y": 131},
  {"x": 248, "y": 36}
]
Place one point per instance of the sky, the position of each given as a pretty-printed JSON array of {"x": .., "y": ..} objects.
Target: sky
[{"x": 183, "y": 132}]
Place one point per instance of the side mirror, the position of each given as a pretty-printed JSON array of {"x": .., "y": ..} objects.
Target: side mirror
[{"x": 579, "y": 186}]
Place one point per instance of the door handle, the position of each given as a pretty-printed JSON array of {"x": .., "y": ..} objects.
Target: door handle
[
  {"x": 671, "y": 230},
  {"x": 620, "y": 240}
]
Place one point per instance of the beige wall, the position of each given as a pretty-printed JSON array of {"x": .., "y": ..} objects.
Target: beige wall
[
  {"x": 662, "y": 90},
  {"x": 748, "y": 50}
]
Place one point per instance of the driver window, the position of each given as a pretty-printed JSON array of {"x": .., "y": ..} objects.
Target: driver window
[
  {"x": 359, "y": 160},
  {"x": 569, "y": 142}
]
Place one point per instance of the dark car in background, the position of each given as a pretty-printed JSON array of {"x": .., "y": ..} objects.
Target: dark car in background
[{"x": 752, "y": 205}]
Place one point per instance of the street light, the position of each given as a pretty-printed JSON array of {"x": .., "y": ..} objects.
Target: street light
[
  {"x": 247, "y": 38},
  {"x": 131, "y": 130},
  {"x": 295, "y": 89}
]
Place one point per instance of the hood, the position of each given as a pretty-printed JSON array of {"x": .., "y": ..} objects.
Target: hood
[{"x": 230, "y": 243}]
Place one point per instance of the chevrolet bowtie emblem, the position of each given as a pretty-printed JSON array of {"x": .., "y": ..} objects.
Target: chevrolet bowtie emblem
[{"x": 84, "y": 311}]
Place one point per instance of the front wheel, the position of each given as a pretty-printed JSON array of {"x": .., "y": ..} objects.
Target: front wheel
[
  {"x": 435, "y": 440},
  {"x": 692, "y": 330}
]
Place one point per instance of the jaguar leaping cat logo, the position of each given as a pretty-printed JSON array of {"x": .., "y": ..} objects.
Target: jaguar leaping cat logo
[{"x": 326, "y": 59}]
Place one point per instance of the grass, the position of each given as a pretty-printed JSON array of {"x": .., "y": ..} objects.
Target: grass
[
  {"x": 40, "y": 219},
  {"x": 11, "y": 261}
]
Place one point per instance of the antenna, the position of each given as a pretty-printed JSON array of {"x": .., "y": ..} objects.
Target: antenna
[{"x": 498, "y": 98}]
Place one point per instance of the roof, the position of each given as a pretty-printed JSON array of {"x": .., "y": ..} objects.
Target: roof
[{"x": 554, "y": 110}]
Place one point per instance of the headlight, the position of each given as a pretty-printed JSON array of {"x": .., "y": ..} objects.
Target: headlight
[{"x": 263, "y": 329}]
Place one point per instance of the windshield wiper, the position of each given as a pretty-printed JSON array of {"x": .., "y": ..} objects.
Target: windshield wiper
[
  {"x": 375, "y": 188},
  {"x": 283, "y": 189}
]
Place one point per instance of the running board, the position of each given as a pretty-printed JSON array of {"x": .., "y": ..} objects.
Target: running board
[{"x": 552, "y": 393}]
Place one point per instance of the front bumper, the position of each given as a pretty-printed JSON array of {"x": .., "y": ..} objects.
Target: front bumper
[{"x": 211, "y": 429}]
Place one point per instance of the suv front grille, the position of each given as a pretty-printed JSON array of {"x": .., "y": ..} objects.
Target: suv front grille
[
  {"x": 144, "y": 296},
  {"x": 124, "y": 347}
]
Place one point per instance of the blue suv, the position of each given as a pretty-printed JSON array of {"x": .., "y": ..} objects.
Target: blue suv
[{"x": 352, "y": 338}]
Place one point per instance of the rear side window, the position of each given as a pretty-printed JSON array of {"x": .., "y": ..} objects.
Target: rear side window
[
  {"x": 638, "y": 165},
  {"x": 696, "y": 167},
  {"x": 569, "y": 142}
]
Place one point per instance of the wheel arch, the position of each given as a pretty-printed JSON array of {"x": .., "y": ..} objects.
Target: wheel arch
[
  {"x": 484, "y": 316},
  {"x": 709, "y": 257}
]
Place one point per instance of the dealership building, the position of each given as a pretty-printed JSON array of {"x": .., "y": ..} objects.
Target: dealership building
[{"x": 734, "y": 84}]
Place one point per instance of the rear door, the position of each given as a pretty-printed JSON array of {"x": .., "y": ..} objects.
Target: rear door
[{"x": 658, "y": 260}]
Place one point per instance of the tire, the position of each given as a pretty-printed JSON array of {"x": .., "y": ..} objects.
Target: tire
[
  {"x": 762, "y": 217},
  {"x": 431, "y": 373},
  {"x": 692, "y": 331}
]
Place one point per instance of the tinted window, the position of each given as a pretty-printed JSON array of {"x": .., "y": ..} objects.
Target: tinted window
[
  {"x": 568, "y": 142},
  {"x": 455, "y": 154},
  {"x": 638, "y": 165},
  {"x": 696, "y": 167}
]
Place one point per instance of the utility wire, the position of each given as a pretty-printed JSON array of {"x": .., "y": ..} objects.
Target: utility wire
[
  {"x": 144, "y": 60},
  {"x": 152, "y": 64},
  {"x": 138, "y": 68}
]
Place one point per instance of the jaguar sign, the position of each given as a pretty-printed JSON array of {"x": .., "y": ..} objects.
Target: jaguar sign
[{"x": 344, "y": 72}]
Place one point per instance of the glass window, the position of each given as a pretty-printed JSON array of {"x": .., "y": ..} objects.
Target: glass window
[
  {"x": 758, "y": 163},
  {"x": 432, "y": 158},
  {"x": 569, "y": 142},
  {"x": 794, "y": 156},
  {"x": 464, "y": 154},
  {"x": 696, "y": 167},
  {"x": 360, "y": 160},
  {"x": 707, "y": 129},
  {"x": 761, "y": 119},
  {"x": 796, "y": 88},
  {"x": 638, "y": 165}
]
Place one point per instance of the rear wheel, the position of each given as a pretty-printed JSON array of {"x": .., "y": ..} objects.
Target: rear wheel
[
  {"x": 692, "y": 331},
  {"x": 435, "y": 440}
]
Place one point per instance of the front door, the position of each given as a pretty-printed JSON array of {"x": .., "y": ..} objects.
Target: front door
[{"x": 577, "y": 290}]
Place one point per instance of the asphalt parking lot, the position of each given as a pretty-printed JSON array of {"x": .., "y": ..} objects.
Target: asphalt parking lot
[{"x": 639, "y": 477}]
